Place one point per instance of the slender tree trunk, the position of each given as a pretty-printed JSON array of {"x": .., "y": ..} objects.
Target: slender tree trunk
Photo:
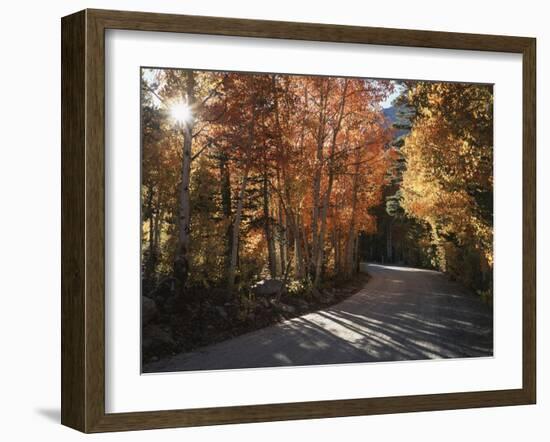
[
  {"x": 335, "y": 247},
  {"x": 282, "y": 238},
  {"x": 298, "y": 251},
  {"x": 271, "y": 258},
  {"x": 236, "y": 231},
  {"x": 320, "y": 245},
  {"x": 351, "y": 231},
  {"x": 320, "y": 138},
  {"x": 341, "y": 252},
  {"x": 281, "y": 147},
  {"x": 154, "y": 240},
  {"x": 389, "y": 242},
  {"x": 356, "y": 254},
  {"x": 240, "y": 201},
  {"x": 181, "y": 263},
  {"x": 305, "y": 250},
  {"x": 151, "y": 231},
  {"x": 225, "y": 193},
  {"x": 157, "y": 225},
  {"x": 156, "y": 237},
  {"x": 293, "y": 218}
]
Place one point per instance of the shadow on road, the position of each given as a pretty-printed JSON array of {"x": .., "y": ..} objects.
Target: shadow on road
[{"x": 402, "y": 314}]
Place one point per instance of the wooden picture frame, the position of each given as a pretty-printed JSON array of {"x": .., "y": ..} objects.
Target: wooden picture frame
[{"x": 83, "y": 219}]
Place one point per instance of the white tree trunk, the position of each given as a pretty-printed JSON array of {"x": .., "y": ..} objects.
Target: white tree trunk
[
  {"x": 271, "y": 256},
  {"x": 240, "y": 201},
  {"x": 351, "y": 232},
  {"x": 321, "y": 242},
  {"x": 320, "y": 139},
  {"x": 181, "y": 262}
]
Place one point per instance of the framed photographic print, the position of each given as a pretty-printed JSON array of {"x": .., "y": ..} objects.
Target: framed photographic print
[{"x": 266, "y": 220}]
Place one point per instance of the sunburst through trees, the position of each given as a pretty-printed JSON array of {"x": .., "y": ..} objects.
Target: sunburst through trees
[{"x": 256, "y": 183}]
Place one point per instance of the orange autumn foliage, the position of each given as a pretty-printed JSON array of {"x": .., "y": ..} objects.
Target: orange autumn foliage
[{"x": 284, "y": 171}]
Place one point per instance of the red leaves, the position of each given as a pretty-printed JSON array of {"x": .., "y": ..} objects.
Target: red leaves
[{"x": 322, "y": 144}]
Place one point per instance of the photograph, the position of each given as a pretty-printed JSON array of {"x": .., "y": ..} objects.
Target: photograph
[{"x": 293, "y": 220}]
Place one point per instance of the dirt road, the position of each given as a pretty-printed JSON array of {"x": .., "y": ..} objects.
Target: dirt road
[{"x": 402, "y": 313}]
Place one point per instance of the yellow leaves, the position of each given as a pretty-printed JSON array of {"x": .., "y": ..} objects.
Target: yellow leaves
[{"x": 448, "y": 157}]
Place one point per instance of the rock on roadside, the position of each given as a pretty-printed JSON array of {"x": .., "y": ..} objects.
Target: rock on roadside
[{"x": 267, "y": 287}]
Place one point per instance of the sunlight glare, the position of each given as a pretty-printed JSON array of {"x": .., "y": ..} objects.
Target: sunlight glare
[{"x": 181, "y": 112}]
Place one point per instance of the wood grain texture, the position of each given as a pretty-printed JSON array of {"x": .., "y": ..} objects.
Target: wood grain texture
[
  {"x": 95, "y": 221},
  {"x": 529, "y": 219},
  {"x": 73, "y": 129},
  {"x": 144, "y": 21},
  {"x": 83, "y": 219}
]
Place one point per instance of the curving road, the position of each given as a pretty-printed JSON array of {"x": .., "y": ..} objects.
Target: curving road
[{"x": 403, "y": 313}]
